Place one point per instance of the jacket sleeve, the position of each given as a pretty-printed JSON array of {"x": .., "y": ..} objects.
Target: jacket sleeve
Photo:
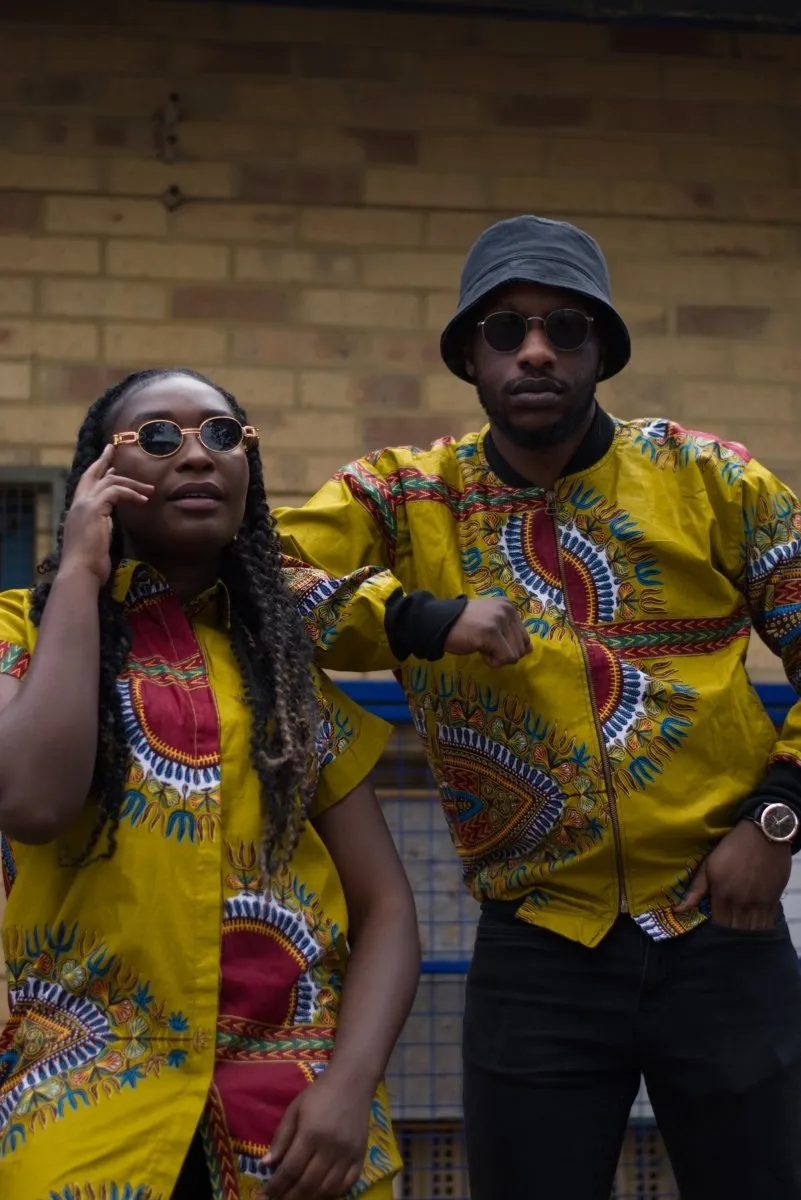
[
  {"x": 771, "y": 583},
  {"x": 350, "y": 743},
  {"x": 356, "y": 523}
]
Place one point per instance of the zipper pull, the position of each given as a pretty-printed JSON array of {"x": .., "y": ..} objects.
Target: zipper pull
[{"x": 550, "y": 504}]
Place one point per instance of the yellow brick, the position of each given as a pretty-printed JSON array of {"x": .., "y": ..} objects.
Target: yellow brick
[
  {"x": 20, "y": 456},
  {"x": 459, "y": 230},
  {"x": 732, "y": 240},
  {"x": 360, "y": 227},
  {"x": 761, "y": 440},
  {"x": 423, "y": 189},
  {"x": 284, "y": 476},
  {"x": 766, "y": 281},
  {"x": 256, "y": 390},
  {"x": 16, "y": 296},
  {"x": 49, "y": 173},
  {"x": 371, "y": 310},
  {"x": 294, "y": 266},
  {"x": 300, "y": 102},
  {"x": 402, "y": 269},
  {"x": 50, "y": 255},
  {"x": 781, "y": 364},
  {"x": 197, "y": 180},
  {"x": 48, "y": 339},
  {"x": 101, "y": 298},
  {"x": 720, "y": 83},
  {"x": 235, "y": 222},
  {"x": 317, "y": 468},
  {"x": 734, "y": 402},
  {"x": 690, "y": 358},
  {"x": 15, "y": 380},
  {"x": 96, "y": 53},
  {"x": 329, "y": 147},
  {"x": 292, "y": 430},
  {"x": 446, "y": 394},
  {"x": 765, "y": 203},
  {"x": 167, "y": 260},
  {"x": 154, "y": 345},
  {"x": 542, "y": 38},
  {"x": 56, "y": 456},
  {"x": 20, "y": 48},
  {"x": 56, "y": 424},
  {"x": 631, "y": 396},
  {"x": 604, "y": 158},
  {"x": 548, "y": 197},
  {"x": 627, "y": 236},
  {"x": 378, "y": 106},
  {"x": 709, "y": 281},
  {"x": 513, "y": 153},
  {"x": 439, "y": 308},
  {"x": 236, "y": 139},
  {"x": 645, "y": 320},
  {"x": 633, "y": 198},
  {"x": 701, "y": 160},
  {"x": 326, "y": 389},
  {"x": 90, "y": 214}
]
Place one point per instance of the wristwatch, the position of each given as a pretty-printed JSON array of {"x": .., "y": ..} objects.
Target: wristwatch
[{"x": 778, "y": 822}]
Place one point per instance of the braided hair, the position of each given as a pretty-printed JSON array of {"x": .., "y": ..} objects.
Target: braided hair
[{"x": 271, "y": 648}]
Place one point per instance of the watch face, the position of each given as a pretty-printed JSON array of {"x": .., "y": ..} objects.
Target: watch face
[{"x": 779, "y": 823}]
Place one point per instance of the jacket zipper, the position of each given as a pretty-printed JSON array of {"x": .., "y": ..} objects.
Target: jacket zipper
[{"x": 623, "y": 904}]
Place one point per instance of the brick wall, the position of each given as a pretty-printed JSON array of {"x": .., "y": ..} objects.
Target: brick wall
[{"x": 334, "y": 170}]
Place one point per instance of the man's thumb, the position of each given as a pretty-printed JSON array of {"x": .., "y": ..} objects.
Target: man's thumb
[{"x": 698, "y": 889}]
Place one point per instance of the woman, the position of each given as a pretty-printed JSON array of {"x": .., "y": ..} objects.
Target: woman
[{"x": 176, "y": 945}]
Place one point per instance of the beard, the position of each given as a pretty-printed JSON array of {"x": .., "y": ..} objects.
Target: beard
[{"x": 565, "y": 426}]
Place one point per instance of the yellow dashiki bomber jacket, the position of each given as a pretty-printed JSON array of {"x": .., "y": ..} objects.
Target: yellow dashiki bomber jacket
[
  {"x": 171, "y": 986},
  {"x": 592, "y": 777}
]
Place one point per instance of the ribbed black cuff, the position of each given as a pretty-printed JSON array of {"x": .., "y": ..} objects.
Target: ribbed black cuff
[
  {"x": 417, "y": 624},
  {"x": 781, "y": 785}
]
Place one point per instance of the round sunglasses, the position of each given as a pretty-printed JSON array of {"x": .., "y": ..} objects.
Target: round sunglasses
[
  {"x": 566, "y": 329},
  {"x": 162, "y": 439}
]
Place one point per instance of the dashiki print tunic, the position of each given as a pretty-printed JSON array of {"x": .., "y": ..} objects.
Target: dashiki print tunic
[{"x": 173, "y": 985}]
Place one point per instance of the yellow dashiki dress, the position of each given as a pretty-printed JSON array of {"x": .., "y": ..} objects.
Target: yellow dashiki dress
[{"x": 172, "y": 984}]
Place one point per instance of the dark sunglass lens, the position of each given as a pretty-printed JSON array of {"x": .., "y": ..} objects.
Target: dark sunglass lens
[
  {"x": 567, "y": 329},
  {"x": 221, "y": 434},
  {"x": 505, "y": 331},
  {"x": 160, "y": 438}
]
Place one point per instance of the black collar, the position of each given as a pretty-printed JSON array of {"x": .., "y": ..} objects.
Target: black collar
[{"x": 594, "y": 446}]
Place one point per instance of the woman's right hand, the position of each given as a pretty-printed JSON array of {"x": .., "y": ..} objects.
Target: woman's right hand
[{"x": 88, "y": 527}]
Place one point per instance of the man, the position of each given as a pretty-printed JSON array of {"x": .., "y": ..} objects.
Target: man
[{"x": 619, "y": 798}]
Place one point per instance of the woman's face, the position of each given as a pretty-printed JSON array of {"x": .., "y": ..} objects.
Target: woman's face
[{"x": 198, "y": 502}]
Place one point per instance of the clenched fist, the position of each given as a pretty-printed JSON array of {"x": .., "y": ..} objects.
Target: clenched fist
[{"x": 491, "y": 628}]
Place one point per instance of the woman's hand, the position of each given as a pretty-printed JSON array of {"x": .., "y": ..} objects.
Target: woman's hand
[
  {"x": 320, "y": 1146},
  {"x": 88, "y": 527}
]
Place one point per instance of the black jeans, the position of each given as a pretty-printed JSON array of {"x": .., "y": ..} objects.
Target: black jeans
[
  {"x": 556, "y": 1037},
  {"x": 193, "y": 1182}
]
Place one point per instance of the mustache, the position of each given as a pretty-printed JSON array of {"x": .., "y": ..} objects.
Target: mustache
[{"x": 531, "y": 384}]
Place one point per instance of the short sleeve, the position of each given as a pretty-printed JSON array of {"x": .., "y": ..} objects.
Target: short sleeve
[
  {"x": 16, "y": 633},
  {"x": 349, "y": 744}
]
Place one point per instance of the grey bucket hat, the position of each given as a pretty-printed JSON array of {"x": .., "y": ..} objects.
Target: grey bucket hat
[{"x": 536, "y": 250}]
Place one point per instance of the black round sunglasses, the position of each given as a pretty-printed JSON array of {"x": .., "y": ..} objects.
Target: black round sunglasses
[
  {"x": 567, "y": 329},
  {"x": 161, "y": 439}
]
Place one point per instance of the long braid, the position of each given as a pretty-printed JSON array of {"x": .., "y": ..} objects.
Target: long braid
[
  {"x": 271, "y": 648},
  {"x": 274, "y": 656}
]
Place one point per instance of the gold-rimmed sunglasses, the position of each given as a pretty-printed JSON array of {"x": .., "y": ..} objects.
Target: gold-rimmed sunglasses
[{"x": 162, "y": 439}]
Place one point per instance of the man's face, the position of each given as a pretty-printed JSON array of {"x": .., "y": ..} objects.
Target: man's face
[{"x": 537, "y": 395}]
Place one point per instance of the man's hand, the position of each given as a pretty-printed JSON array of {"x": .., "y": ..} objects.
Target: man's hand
[
  {"x": 744, "y": 877},
  {"x": 491, "y": 628}
]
